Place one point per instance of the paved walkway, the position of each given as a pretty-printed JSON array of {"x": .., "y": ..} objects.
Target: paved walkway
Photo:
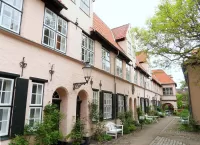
[{"x": 165, "y": 132}]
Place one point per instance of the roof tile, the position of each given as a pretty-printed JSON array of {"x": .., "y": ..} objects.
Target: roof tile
[
  {"x": 120, "y": 32},
  {"x": 162, "y": 77},
  {"x": 105, "y": 31}
]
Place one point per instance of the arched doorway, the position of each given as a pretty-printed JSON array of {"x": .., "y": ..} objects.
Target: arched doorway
[
  {"x": 81, "y": 105},
  {"x": 130, "y": 104},
  {"x": 59, "y": 98},
  {"x": 168, "y": 106}
]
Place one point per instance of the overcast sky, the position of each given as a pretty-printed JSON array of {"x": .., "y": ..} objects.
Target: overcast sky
[{"x": 119, "y": 12}]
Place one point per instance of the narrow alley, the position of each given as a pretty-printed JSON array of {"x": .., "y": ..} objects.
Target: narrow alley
[{"x": 165, "y": 132}]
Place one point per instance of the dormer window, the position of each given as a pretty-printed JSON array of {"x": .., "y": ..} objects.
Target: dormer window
[{"x": 85, "y": 6}]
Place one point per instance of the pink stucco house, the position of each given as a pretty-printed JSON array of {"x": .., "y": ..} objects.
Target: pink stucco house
[{"x": 43, "y": 47}]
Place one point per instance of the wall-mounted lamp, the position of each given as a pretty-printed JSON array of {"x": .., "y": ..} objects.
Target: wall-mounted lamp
[{"x": 87, "y": 70}]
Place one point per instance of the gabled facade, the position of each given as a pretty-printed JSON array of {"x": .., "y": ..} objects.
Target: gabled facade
[
  {"x": 168, "y": 88},
  {"x": 42, "y": 52}
]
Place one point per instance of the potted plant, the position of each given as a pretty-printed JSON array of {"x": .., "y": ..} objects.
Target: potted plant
[{"x": 77, "y": 133}]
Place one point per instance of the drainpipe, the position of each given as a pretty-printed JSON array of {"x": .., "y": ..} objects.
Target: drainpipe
[{"x": 115, "y": 85}]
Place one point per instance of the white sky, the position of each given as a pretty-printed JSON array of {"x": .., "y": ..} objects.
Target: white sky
[{"x": 119, "y": 12}]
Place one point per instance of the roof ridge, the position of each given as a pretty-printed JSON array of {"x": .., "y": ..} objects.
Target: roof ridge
[
  {"x": 108, "y": 28},
  {"x": 120, "y": 26}
]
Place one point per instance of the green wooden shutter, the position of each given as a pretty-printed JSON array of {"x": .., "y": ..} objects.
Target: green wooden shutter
[
  {"x": 19, "y": 108},
  {"x": 101, "y": 101},
  {"x": 113, "y": 106},
  {"x": 117, "y": 105}
]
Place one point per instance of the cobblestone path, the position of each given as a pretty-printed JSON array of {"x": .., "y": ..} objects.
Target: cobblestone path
[{"x": 165, "y": 132}]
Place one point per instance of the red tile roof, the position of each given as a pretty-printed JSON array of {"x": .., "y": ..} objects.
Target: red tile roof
[
  {"x": 141, "y": 67},
  {"x": 162, "y": 77},
  {"x": 142, "y": 57},
  {"x": 120, "y": 32},
  {"x": 105, "y": 31}
]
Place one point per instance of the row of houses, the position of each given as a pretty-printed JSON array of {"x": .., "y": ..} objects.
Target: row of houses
[{"x": 44, "y": 45}]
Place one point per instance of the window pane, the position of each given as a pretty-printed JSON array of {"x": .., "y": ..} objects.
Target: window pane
[
  {"x": 4, "y": 120},
  {"x": 33, "y": 99},
  {"x": 39, "y": 91},
  {"x": 32, "y": 112},
  {"x": 10, "y": 18},
  {"x": 62, "y": 26},
  {"x": 37, "y": 113},
  {"x": 34, "y": 88},
  {"x": 61, "y": 43},
  {"x": 38, "y": 100},
  {"x": 50, "y": 19},
  {"x": 7, "y": 85},
  {"x": 49, "y": 37},
  {"x": 5, "y": 98}
]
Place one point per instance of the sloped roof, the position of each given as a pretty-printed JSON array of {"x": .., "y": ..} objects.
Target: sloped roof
[
  {"x": 162, "y": 77},
  {"x": 121, "y": 31},
  {"x": 141, "y": 67},
  {"x": 105, "y": 31},
  {"x": 142, "y": 57}
]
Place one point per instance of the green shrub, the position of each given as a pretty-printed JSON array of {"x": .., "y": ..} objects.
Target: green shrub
[
  {"x": 77, "y": 132},
  {"x": 128, "y": 122},
  {"x": 184, "y": 113},
  {"x": 19, "y": 140}
]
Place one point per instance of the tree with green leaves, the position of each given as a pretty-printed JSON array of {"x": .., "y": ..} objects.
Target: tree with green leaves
[{"x": 173, "y": 33}]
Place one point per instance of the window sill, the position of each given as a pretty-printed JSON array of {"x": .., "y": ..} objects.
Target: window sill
[
  {"x": 3, "y": 138},
  {"x": 46, "y": 46}
]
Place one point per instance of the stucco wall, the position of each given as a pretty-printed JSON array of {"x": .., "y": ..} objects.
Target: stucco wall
[{"x": 194, "y": 88}]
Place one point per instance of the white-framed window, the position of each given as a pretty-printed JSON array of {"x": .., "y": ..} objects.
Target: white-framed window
[
  {"x": 10, "y": 14},
  {"x": 96, "y": 97},
  {"x": 107, "y": 114},
  {"x": 74, "y": 1},
  {"x": 129, "y": 49},
  {"x": 167, "y": 91},
  {"x": 128, "y": 72},
  {"x": 136, "y": 77},
  {"x": 6, "y": 91},
  {"x": 120, "y": 103},
  {"x": 36, "y": 104},
  {"x": 54, "y": 31},
  {"x": 141, "y": 80},
  {"x": 105, "y": 60},
  {"x": 119, "y": 67},
  {"x": 85, "y": 6},
  {"x": 87, "y": 49},
  {"x": 95, "y": 100}
]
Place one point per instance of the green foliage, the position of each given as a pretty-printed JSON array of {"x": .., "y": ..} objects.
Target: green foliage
[
  {"x": 19, "y": 140},
  {"x": 128, "y": 122},
  {"x": 192, "y": 126},
  {"x": 45, "y": 133},
  {"x": 139, "y": 111},
  {"x": 172, "y": 33},
  {"x": 94, "y": 112},
  {"x": 77, "y": 132},
  {"x": 184, "y": 113},
  {"x": 179, "y": 98},
  {"x": 48, "y": 131},
  {"x": 98, "y": 134}
]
